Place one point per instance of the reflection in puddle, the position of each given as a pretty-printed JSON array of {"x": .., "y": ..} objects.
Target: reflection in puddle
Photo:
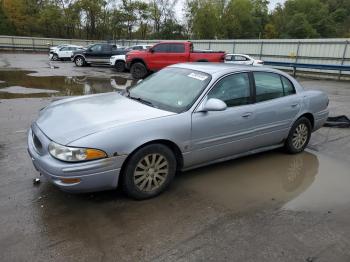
[
  {"x": 15, "y": 83},
  {"x": 329, "y": 191},
  {"x": 255, "y": 181},
  {"x": 25, "y": 90}
]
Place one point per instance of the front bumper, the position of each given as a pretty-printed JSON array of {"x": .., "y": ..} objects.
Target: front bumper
[
  {"x": 96, "y": 175},
  {"x": 112, "y": 61}
]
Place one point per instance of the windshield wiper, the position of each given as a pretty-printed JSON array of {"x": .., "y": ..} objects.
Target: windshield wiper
[{"x": 141, "y": 100}]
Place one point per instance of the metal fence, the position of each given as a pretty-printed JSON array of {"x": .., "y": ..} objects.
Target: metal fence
[{"x": 300, "y": 51}]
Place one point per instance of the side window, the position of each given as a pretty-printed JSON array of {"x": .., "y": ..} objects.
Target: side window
[
  {"x": 287, "y": 86},
  {"x": 228, "y": 58},
  {"x": 161, "y": 48},
  {"x": 96, "y": 48},
  {"x": 268, "y": 86},
  {"x": 234, "y": 90},
  {"x": 106, "y": 48},
  {"x": 177, "y": 48},
  {"x": 240, "y": 58},
  {"x": 64, "y": 49}
]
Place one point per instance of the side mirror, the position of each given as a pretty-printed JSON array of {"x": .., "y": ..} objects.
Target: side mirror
[
  {"x": 139, "y": 81},
  {"x": 213, "y": 104},
  {"x": 151, "y": 50}
]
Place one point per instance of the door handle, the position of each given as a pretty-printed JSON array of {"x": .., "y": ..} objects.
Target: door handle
[
  {"x": 294, "y": 105},
  {"x": 246, "y": 115}
]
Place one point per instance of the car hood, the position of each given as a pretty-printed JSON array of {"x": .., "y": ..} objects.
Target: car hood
[{"x": 67, "y": 120}]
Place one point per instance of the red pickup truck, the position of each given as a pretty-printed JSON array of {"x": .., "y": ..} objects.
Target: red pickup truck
[{"x": 142, "y": 62}]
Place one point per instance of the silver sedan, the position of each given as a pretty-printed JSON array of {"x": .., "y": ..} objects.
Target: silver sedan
[{"x": 182, "y": 117}]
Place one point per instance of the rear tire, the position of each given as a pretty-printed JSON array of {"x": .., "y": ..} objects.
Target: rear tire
[
  {"x": 149, "y": 171},
  {"x": 299, "y": 136},
  {"x": 119, "y": 66},
  {"x": 79, "y": 61},
  {"x": 138, "y": 70}
]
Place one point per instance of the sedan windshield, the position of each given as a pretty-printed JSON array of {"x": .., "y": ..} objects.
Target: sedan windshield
[{"x": 171, "y": 89}]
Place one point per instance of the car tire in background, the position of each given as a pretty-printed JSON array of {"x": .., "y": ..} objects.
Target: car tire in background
[
  {"x": 119, "y": 66},
  {"x": 149, "y": 171},
  {"x": 55, "y": 57},
  {"x": 299, "y": 136},
  {"x": 80, "y": 61},
  {"x": 138, "y": 70}
]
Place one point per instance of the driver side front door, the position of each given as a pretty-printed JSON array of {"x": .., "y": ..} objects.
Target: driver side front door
[{"x": 220, "y": 134}]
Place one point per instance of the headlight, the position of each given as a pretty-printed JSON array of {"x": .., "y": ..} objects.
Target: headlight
[{"x": 74, "y": 154}]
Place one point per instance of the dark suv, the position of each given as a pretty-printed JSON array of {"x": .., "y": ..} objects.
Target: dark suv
[{"x": 96, "y": 54}]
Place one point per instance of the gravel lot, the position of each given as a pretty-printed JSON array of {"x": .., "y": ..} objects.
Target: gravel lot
[{"x": 267, "y": 207}]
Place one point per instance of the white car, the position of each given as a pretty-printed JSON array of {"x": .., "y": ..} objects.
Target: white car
[
  {"x": 55, "y": 48},
  {"x": 242, "y": 59},
  {"x": 118, "y": 61},
  {"x": 64, "y": 52},
  {"x": 138, "y": 47}
]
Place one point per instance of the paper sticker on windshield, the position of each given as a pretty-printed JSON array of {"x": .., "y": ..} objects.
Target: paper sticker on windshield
[{"x": 198, "y": 76}]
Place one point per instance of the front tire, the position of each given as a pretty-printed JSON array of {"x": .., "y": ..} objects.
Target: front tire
[
  {"x": 138, "y": 70},
  {"x": 79, "y": 61},
  {"x": 299, "y": 136},
  {"x": 55, "y": 57},
  {"x": 119, "y": 66},
  {"x": 149, "y": 171}
]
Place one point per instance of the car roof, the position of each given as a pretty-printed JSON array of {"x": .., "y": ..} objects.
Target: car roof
[
  {"x": 223, "y": 68},
  {"x": 238, "y": 54}
]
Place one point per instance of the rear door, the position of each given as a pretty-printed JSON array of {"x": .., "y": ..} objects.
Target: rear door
[
  {"x": 276, "y": 106},
  {"x": 106, "y": 53}
]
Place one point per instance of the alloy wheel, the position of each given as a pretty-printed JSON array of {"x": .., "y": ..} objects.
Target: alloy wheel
[
  {"x": 151, "y": 172},
  {"x": 79, "y": 61},
  {"x": 300, "y": 136}
]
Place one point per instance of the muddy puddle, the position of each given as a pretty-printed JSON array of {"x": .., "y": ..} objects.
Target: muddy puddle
[
  {"x": 18, "y": 84},
  {"x": 302, "y": 182},
  {"x": 273, "y": 180}
]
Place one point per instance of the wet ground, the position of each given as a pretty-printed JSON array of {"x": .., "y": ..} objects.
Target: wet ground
[
  {"x": 21, "y": 84},
  {"x": 267, "y": 207}
]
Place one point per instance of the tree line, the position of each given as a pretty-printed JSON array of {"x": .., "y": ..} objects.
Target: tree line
[{"x": 157, "y": 19}]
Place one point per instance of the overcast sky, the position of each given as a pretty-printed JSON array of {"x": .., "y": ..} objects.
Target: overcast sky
[{"x": 179, "y": 6}]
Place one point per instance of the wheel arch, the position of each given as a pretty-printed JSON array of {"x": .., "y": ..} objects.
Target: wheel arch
[
  {"x": 310, "y": 117},
  {"x": 79, "y": 55},
  {"x": 138, "y": 60},
  {"x": 119, "y": 60},
  {"x": 170, "y": 144}
]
